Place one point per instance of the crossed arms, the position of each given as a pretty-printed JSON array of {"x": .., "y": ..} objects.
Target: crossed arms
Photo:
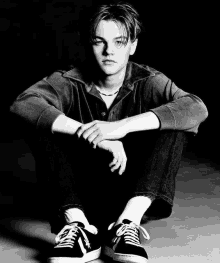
[{"x": 105, "y": 135}]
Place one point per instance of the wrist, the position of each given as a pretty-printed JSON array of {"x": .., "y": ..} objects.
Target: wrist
[
  {"x": 141, "y": 122},
  {"x": 64, "y": 124},
  {"x": 103, "y": 144},
  {"x": 107, "y": 143}
]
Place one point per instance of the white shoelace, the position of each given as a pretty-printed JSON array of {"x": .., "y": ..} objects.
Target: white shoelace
[
  {"x": 67, "y": 236},
  {"x": 131, "y": 234}
]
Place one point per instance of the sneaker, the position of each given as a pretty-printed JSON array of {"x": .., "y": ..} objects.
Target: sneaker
[
  {"x": 123, "y": 243},
  {"x": 75, "y": 243}
]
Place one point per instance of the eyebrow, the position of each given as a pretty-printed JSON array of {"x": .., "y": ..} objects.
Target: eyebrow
[{"x": 120, "y": 37}]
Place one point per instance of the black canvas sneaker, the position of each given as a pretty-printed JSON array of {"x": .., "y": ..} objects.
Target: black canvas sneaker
[
  {"x": 123, "y": 243},
  {"x": 76, "y": 244}
]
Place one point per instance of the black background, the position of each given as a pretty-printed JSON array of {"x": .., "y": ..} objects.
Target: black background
[{"x": 38, "y": 37}]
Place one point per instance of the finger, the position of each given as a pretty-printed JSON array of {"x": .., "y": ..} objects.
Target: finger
[
  {"x": 89, "y": 132},
  {"x": 116, "y": 166},
  {"x": 123, "y": 166},
  {"x": 86, "y": 132},
  {"x": 97, "y": 140},
  {"x": 113, "y": 162},
  {"x": 92, "y": 136},
  {"x": 84, "y": 127}
]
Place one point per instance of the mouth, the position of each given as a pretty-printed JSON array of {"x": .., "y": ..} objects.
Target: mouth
[{"x": 108, "y": 61}]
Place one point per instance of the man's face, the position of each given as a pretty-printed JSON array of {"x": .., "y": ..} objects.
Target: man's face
[{"x": 111, "y": 48}]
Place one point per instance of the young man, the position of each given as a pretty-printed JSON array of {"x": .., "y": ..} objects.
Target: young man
[{"x": 110, "y": 135}]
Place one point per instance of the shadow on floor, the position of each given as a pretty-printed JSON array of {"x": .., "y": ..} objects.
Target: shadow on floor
[
  {"x": 27, "y": 239},
  {"x": 15, "y": 237}
]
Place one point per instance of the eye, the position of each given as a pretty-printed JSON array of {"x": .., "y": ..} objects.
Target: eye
[
  {"x": 97, "y": 42},
  {"x": 120, "y": 43}
]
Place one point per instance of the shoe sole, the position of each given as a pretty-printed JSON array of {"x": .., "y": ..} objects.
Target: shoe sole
[
  {"x": 86, "y": 258},
  {"x": 123, "y": 258}
]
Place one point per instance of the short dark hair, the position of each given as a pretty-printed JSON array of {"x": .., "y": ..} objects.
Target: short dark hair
[{"x": 122, "y": 13}]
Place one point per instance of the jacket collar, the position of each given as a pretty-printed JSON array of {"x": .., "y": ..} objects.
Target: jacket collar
[{"x": 134, "y": 73}]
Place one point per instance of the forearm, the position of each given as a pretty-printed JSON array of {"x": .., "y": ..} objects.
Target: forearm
[
  {"x": 64, "y": 124},
  {"x": 141, "y": 122}
]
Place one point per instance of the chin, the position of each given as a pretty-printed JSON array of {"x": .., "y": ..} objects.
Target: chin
[{"x": 109, "y": 70}]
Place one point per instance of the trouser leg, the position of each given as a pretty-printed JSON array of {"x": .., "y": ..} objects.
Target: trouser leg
[
  {"x": 74, "y": 175},
  {"x": 153, "y": 162}
]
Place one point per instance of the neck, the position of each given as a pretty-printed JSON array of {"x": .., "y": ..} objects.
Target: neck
[{"x": 111, "y": 83}]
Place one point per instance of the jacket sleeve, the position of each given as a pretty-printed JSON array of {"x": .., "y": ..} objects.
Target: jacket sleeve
[
  {"x": 42, "y": 103},
  {"x": 180, "y": 110}
]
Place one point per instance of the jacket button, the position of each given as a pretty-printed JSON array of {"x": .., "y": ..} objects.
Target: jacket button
[{"x": 103, "y": 114}]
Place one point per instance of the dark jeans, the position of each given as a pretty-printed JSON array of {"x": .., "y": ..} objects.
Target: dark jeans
[{"x": 76, "y": 175}]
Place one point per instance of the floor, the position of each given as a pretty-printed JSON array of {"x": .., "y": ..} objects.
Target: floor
[{"x": 191, "y": 234}]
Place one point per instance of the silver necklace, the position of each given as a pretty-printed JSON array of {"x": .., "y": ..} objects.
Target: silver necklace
[
  {"x": 104, "y": 94},
  {"x": 108, "y": 94}
]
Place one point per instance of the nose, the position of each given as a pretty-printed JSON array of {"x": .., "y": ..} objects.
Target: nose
[{"x": 109, "y": 49}]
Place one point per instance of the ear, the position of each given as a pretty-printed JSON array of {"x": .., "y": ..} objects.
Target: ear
[{"x": 133, "y": 47}]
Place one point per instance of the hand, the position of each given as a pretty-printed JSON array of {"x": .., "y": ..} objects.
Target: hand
[
  {"x": 117, "y": 149},
  {"x": 98, "y": 131}
]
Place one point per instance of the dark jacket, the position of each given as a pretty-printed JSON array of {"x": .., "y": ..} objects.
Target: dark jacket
[{"x": 144, "y": 89}]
